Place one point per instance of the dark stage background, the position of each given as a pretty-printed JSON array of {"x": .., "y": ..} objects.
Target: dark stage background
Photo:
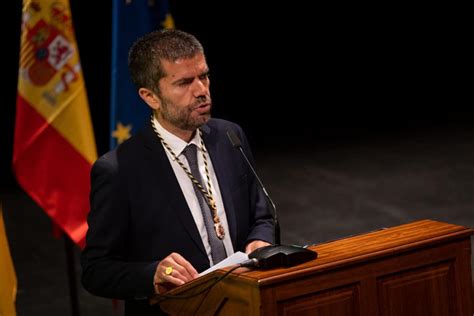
[
  {"x": 360, "y": 117},
  {"x": 294, "y": 72}
]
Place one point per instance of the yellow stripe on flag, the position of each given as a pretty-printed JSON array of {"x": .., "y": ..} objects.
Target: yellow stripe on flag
[
  {"x": 8, "y": 283},
  {"x": 54, "y": 145},
  {"x": 52, "y": 82}
]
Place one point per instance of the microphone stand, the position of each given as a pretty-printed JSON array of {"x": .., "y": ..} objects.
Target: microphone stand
[
  {"x": 274, "y": 255},
  {"x": 276, "y": 223}
]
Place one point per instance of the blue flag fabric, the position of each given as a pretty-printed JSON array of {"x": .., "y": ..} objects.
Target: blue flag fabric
[{"x": 130, "y": 20}]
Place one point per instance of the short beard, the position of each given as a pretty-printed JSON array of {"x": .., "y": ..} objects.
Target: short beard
[{"x": 183, "y": 119}]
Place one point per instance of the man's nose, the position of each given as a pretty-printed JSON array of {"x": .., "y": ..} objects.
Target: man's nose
[{"x": 200, "y": 88}]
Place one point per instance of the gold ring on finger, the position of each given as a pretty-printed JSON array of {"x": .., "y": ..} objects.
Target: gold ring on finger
[{"x": 168, "y": 270}]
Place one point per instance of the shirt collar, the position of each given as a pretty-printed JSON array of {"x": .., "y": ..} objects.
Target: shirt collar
[{"x": 176, "y": 144}]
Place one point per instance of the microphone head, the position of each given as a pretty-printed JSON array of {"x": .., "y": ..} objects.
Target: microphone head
[{"x": 234, "y": 139}]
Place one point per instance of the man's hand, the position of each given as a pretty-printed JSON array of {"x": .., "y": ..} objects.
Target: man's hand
[
  {"x": 174, "y": 269},
  {"x": 255, "y": 245}
]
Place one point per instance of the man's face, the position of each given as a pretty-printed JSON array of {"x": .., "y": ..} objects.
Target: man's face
[{"x": 184, "y": 94}]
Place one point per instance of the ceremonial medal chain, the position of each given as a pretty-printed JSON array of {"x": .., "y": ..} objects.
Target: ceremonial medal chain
[{"x": 206, "y": 193}]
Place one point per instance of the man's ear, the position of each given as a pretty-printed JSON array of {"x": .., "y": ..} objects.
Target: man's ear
[{"x": 150, "y": 98}]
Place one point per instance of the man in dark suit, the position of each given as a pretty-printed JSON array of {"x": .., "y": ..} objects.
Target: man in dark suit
[{"x": 177, "y": 197}]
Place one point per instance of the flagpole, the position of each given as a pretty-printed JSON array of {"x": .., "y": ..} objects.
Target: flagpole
[{"x": 71, "y": 272}]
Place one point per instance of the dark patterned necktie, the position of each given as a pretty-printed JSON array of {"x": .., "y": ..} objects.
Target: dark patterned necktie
[{"x": 218, "y": 252}]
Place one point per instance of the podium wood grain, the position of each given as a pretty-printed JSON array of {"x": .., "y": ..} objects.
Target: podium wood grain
[{"x": 420, "y": 268}]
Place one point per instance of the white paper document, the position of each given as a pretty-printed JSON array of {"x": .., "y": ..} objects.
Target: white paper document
[{"x": 236, "y": 258}]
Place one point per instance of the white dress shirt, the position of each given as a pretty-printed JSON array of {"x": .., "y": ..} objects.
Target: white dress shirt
[{"x": 178, "y": 145}]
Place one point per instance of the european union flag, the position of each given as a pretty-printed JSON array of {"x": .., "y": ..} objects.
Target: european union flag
[{"x": 130, "y": 20}]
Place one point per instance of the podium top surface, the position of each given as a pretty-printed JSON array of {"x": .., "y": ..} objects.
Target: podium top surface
[
  {"x": 343, "y": 252},
  {"x": 352, "y": 250}
]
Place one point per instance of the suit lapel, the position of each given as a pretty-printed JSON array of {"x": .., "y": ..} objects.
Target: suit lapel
[
  {"x": 170, "y": 186},
  {"x": 210, "y": 137}
]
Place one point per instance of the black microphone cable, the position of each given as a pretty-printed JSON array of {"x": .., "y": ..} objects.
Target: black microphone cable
[{"x": 246, "y": 264}]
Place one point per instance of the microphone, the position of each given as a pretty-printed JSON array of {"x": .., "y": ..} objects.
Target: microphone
[
  {"x": 234, "y": 139},
  {"x": 274, "y": 255}
]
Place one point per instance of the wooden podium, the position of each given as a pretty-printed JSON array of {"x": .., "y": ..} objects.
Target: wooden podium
[{"x": 421, "y": 268}]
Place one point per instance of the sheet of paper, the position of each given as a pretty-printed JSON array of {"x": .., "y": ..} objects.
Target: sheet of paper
[{"x": 236, "y": 258}]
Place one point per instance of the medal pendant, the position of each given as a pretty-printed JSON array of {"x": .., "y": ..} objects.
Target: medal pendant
[{"x": 219, "y": 231}]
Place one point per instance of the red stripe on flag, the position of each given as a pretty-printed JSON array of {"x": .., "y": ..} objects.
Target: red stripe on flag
[{"x": 51, "y": 171}]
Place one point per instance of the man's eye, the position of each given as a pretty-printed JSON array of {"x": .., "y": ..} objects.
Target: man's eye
[
  {"x": 185, "y": 82},
  {"x": 204, "y": 76}
]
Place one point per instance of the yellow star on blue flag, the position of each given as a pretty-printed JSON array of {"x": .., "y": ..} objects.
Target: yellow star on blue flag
[{"x": 122, "y": 132}]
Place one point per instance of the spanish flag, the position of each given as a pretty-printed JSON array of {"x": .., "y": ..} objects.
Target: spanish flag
[
  {"x": 8, "y": 284},
  {"x": 54, "y": 145}
]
